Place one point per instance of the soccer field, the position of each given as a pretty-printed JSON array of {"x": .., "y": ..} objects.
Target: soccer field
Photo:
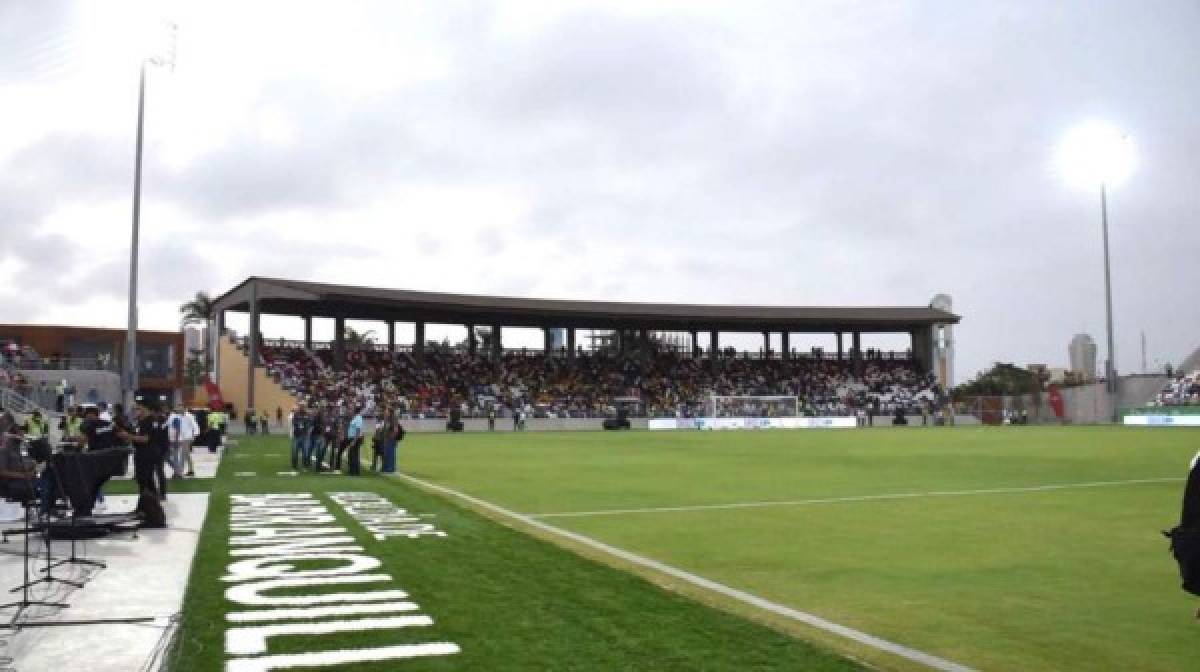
[{"x": 997, "y": 548}]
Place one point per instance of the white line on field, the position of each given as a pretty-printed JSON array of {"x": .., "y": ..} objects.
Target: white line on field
[
  {"x": 855, "y": 498},
  {"x": 813, "y": 620}
]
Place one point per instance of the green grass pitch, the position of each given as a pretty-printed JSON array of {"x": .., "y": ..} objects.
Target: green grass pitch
[
  {"x": 510, "y": 601},
  {"x": 1075, "y": 577}
]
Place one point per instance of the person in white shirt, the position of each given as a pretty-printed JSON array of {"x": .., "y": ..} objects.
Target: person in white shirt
[{"x": 182, "y": 430}]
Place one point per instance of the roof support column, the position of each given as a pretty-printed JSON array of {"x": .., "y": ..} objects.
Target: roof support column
[
  {"x": 471, "y": 340},
  {"x": 251, "y": 347},
  {"x": 714, "y": 349},
  {"x": 856, "y": 353},
  {"x": 841, "y": 352},
  {"x": 216, "y": 346},
  {"x": 766, "y": 344},
  {"x": 339, "y": 343},
  {"x": 546, "y": 342},
  {"x": 570, "y": 347},
  {"x": 695, "y": 344},
  {"x": 786, "y": 343},
  {"x": 307, "y": 332},
  {"x": 391, "y": 335},
  {"x": 497, "y": 347},
  {"x": 419, "y": 343}
]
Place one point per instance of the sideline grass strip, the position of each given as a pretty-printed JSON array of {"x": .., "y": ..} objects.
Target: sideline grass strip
[{"x": 511, "y": 602}]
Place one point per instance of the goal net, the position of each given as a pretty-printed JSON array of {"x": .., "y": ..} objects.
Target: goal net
[{"x": 752, "y": 406}]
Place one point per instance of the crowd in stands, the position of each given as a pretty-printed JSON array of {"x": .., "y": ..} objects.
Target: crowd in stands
[
  {"x": 1182, "y": 390},
  {"x": 658, "y": 384}
]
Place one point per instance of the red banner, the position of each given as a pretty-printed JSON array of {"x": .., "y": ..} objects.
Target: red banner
[
  {"x": 1056, "y": 401},
  {"x": 215, "y": 402}
]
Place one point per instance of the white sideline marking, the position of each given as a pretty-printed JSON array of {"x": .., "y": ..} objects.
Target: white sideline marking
[
  {"x": 855, "y": 498},
  {"x": 813, "y": 620}
]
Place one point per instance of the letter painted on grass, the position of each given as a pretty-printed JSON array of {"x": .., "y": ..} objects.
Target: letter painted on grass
[
  {"x": 383, "y": 519},
  {"x": 288, "y": 559}
]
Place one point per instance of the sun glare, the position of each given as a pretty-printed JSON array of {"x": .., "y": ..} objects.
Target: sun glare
[{"x": 1095, "y": 153}]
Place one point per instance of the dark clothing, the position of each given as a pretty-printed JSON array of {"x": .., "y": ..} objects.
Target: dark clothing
[
  {"x": 1185, "y": 539},
  {"x": 301, "y": 424},
  {"x": 1190, "y": 518},
  {"x": 336, "y": 460},
  {"x": 352, "y": 458},
  {"x": 82, "y": 474},
  {"x": 148, "y": 457},
  {"x": 101, "y": 434}
]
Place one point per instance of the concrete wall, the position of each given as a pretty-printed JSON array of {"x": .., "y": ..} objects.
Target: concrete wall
[
  {"x": 531, "y": 425},
  {"x": 1091, "y": 404},
  {"x": 106, "y": 384},
  {"x": 268, "y": 394}
]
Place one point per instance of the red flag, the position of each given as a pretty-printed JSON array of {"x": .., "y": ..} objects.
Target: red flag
[
  {"x": 215, "y": 402},
  {"x": 1056, "y": 401}
]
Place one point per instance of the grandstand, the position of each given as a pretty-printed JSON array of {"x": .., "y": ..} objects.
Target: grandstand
[{"x": 644, "y": 361}]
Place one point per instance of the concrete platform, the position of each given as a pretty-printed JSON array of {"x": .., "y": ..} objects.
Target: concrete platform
[
  {"x": 206, "y": 464},
  {"x": 145, "y": 578}
]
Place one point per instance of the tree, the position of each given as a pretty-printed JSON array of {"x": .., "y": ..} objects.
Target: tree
[
  {"x": 1001, "y": 380},
  {"x": 195, "y": 368},
  {"x": 200, "y": 310},
  {"x": 354, "y": 339}
]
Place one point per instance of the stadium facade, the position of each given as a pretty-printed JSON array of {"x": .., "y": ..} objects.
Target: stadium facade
[{"x": 632, "y": 323}]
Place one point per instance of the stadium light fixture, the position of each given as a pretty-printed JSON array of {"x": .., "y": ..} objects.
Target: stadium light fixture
[
  {"x": 162, "y": 55},
  {"x": 1097, "y": 154}
]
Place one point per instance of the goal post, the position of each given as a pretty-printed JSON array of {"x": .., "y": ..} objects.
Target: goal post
[{"x": 752, "y": 406}]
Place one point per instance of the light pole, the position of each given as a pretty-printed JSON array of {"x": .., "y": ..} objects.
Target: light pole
[
  {"x": 1097, "y": 153},
  {"x": 1110, "y": 369},
  {"x": 129, "y": 382}
]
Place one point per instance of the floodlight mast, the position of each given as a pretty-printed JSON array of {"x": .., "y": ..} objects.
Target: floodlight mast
[
  {"x": 1110, "y": 369},
  {"x": 1097, "y": 153},
  {"x": 129, "y": 377}
]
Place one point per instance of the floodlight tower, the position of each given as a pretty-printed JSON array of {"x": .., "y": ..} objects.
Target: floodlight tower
[
  {"x": 1091, "y": 154},
  {"x": 129, "y": 377}
]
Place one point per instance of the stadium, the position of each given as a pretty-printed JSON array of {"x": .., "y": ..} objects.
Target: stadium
[{"x": 586, "y": 336}]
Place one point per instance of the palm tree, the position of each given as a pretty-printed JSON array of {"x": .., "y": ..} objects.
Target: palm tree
[
  {"x": 354, "y": 339},
  {"x": 200, "y": 310}
]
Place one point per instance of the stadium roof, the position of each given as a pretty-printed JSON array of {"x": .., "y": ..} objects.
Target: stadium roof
[{"x": 293, "y": 297}]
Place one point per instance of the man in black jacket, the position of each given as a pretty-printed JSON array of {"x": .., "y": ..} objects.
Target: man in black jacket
[{"x": 1185, "y": 539}]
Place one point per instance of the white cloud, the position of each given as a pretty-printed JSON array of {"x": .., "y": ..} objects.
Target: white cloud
[{"x": 684, "y": 151}]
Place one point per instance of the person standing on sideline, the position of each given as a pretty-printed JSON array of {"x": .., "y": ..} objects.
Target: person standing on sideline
[
  {"x": 341, "y": 422},
  {"x": 36, "y": 426},
  {"x": 182, "y": 430},
  {"x": 279, "y": 416},
  {"x": 264, "y": 423},
  {"x": 354, "y": 440},
  {"x": 152, "y": 436},
  {"x": 1185, "y": 537},
  {"x": 216, "y": 424},
  {"x": 315, "y": 450},
  {"x": 491, "y": 415},
  {"x": 330, "y": 434},
  {"x": 380, "y": 438},
  {"x": 300, "y": 434}
]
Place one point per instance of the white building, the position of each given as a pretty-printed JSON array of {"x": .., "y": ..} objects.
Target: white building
[
  {"x": 942, "y": 362},
  {"x": 1082, "y": 355}
]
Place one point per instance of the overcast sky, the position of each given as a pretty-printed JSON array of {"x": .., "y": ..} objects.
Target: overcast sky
[{"x": 798, "y": 153}]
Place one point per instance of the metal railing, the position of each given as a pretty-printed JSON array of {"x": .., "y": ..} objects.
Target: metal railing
[{"x": 70, "y": 364}]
